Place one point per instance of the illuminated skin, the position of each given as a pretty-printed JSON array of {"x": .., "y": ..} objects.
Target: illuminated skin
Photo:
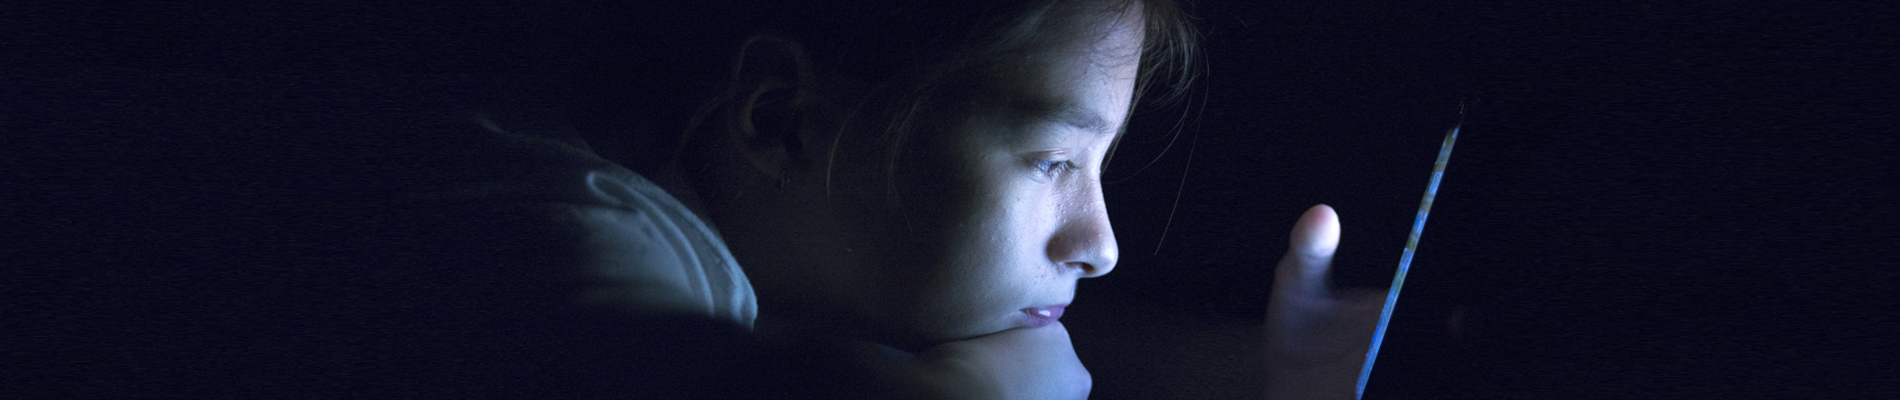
[
  {"x": 992, "y": 212},
  {"x": 997, "y": 210},
  {"x": 962, "y": 251},
  {"x": 1032, "y": 162}
]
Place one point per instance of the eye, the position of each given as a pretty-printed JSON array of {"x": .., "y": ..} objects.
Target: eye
[{"x": 1052, "y": 168}]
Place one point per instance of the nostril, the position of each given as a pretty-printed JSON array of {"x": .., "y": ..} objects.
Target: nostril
[{"x": 1089, "y": 270}]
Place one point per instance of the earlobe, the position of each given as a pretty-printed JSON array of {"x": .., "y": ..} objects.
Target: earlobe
[{"x": 771, "y": 87}]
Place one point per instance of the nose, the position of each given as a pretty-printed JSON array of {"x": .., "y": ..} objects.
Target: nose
[{"x": 1085, "y": 241}]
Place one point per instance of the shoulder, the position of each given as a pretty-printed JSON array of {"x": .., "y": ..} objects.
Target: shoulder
[
  {"x": 629, "y": 243},
  {"x": 658, "y": 255}
]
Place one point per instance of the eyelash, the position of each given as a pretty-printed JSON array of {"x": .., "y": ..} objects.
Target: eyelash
[{"x": 1053, "y": 168}]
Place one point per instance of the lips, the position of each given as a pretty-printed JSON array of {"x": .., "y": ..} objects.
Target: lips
[{"x": 1043, "y": 316}]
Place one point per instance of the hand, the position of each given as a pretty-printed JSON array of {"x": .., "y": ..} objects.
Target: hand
[
  {"x": 1316, "y": 339},
  {"x": 1022, "y": 363}
]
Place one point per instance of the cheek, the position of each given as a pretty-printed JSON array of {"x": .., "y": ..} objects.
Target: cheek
[
  {"x": 981, "y": 235},
  {"x": 999, "y": 252},
  {"x": 1005, "y": 214},
  {"x": 989, "y": 275}
]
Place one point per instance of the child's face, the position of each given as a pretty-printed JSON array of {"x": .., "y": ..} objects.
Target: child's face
[{"x": 1000, "y": 209}]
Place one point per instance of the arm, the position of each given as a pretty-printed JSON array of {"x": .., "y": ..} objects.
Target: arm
[{"x": 1037, "y": 363}]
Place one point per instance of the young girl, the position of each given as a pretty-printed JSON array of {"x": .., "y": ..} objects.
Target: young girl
[{"x": 896, "y": 207}]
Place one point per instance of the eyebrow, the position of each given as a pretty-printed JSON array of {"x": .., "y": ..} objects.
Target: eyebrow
[{"x": 1081, "y": 119}]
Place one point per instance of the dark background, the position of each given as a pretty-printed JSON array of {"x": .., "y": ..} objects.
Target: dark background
[
  {"x": 1688, "y": 200},
  {"x": 1646, "y": 201}
]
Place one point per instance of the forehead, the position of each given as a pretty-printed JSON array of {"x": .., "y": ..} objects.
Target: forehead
[
  {"x": 1102, "y": 31},
  {"x": 1079, "y": 72}
]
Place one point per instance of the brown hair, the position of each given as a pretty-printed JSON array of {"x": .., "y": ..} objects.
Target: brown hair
[{"x": 894, "y": 56}]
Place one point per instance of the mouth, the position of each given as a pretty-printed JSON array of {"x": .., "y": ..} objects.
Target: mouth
[{"x": 1038, "y": 317}]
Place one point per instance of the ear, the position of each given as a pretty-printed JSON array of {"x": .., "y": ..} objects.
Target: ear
[{"x": 772, "y": 87}]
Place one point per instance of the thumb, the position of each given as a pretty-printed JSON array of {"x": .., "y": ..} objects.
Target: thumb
[
  {"x": 1316, "y": 342},
  {"x": 1309, "y": 256}
]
